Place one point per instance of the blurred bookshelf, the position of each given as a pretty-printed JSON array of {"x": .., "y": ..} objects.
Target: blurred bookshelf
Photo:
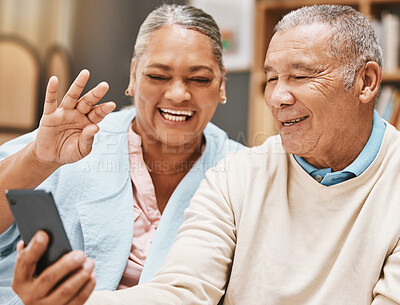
[
  {"x": 388, "y": 104},
  {"x": 385, "y": 18}
]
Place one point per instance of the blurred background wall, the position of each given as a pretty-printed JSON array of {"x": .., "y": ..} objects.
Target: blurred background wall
[{"x": 99, "y": 35}]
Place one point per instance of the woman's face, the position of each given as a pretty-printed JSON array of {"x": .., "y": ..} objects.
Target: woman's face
[{"x": 177, "y": 85}]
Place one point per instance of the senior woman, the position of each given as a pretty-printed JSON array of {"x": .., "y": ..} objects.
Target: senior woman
[{"x": 121, "y": 193}]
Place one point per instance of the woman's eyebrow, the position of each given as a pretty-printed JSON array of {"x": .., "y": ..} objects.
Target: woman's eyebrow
[
  {"x": 159, "y": 66},
  {"x": 168, "y": 68},
  {"x": 200, "y": 67}
]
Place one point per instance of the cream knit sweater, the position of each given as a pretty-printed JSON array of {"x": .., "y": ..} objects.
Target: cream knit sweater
[{"x": 261, "y": 223}]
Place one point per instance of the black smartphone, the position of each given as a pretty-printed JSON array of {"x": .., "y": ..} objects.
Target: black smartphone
[{"x": 35, "y": 210}]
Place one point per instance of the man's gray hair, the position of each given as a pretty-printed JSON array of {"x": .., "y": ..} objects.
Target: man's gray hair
[
  {"x": 184, "y": 16},
  {"x": 353, "y": 42}
]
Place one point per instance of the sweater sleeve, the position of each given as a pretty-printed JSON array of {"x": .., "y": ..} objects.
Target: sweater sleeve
[
  {"x": 197, "y": 268},
  {"x": 387, "y": 289}
]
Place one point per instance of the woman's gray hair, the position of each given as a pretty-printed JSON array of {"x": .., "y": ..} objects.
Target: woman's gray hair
[
  {"x": 182, "y": 15},
  {"x": 353, "y": 42}
]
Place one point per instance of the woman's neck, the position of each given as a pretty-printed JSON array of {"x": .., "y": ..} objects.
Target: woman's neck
[
  {"x": 160, "y": 159},
  {"x": 163, "y": 158}
]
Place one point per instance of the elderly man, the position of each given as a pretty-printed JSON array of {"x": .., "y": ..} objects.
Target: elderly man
[{"x": 312, "y": 216}]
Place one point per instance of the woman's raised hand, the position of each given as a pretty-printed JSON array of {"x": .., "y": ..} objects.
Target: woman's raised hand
[{"x": 66, "y": 133}]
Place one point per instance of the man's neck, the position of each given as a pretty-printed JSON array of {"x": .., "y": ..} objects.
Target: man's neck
[{"x": 344, "y": 151}]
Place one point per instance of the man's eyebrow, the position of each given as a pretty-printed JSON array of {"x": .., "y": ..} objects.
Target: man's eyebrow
[
  {"x": 267, "y": 69},
  {"x": 304, "y": 67},
  {"x": 295, "y": 66}
]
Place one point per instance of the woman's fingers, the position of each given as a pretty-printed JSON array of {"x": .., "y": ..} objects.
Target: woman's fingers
[
  {"x": 52, "y": 275},
  {"x": 50, "y": 101},
  {"x": 86, "y": 104},
  {"x": 28, "y": 257},
  {"x": 99, "y": 112},
  {"x": 85, "y": 292},
  {"x": 71, "y": 97},
  {"x": 96, "y": 115},
  {"x": 86, "y": 139},
  {"x": 91, "y": 98},
  {"x": 71, "y": 278},
  {"x": 70, "y": 290}
]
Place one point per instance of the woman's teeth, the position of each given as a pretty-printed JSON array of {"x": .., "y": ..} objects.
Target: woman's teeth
[
  {"x": 292, "y": 122},
  {"x": 176, "y": 115}
]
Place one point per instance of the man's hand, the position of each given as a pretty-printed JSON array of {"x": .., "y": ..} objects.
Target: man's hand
[
  {"x": 74, "y": 269},
  {"x": 66, "y": 133}
]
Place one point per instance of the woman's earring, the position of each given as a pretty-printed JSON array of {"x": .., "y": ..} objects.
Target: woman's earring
[
  {"x": 224, "y": 100},
  {"x": 127, "y": 93}
]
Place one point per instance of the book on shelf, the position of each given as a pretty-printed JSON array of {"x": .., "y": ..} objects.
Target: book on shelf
[
  {"x": 384, "y": 99},
  {"x": 387, "y": 29},
  {"x": 388, "y": 105}
]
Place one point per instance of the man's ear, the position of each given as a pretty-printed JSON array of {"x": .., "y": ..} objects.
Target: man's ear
[
  {"x": 370, "y": 80},
  {"x": 132, "y": 79}
]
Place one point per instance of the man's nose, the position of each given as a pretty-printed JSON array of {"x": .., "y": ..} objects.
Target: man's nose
[
  {"x": 280, "y": 96},
  {"x": 178, "y": 92}
]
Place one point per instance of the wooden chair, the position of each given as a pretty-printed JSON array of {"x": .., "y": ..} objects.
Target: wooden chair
[
  {"x": 58, "y": 63},
  {"x": 19, "y": 87}
]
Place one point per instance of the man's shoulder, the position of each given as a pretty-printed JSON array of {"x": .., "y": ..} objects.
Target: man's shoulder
[
  {"x": 391, "y": 138},
  {"x": 269, "y": 154},
  {"x": 271, "y": 147}
]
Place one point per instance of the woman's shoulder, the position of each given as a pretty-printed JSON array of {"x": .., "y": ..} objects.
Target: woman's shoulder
[
  {"x": 218, "y": 139},
  {"x": 118, "y": 121},
  {"x": 16, "y": 144}
]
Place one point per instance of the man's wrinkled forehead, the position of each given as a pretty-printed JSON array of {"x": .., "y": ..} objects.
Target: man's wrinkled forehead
[
  {"x": 301, "y": 37},
  {"x": 302, "y": 65},
  {"x": 302, "y": 48}
]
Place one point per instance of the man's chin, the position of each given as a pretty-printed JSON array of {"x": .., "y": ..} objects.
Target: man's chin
[{"x": 294, "y": 147}]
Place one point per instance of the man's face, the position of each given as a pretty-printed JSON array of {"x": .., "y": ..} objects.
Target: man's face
[{"x": 305, "y": 92}]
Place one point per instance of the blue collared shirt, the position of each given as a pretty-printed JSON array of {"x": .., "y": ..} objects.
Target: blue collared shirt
[{"x": 359, "y": 165}]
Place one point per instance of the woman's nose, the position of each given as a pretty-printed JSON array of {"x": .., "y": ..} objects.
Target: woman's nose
[{"x": 178, "y": 92}]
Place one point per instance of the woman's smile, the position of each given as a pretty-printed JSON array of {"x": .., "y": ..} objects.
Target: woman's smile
[{"x": 176, "y": 115}]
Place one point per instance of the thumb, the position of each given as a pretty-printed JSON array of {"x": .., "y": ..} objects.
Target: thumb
[{"x": 86, "y": 139}]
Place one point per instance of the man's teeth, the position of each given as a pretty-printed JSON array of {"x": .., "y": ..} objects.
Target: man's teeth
[
  {"x": 292, "y": 122},
  {"x": 176, "y": 115}
]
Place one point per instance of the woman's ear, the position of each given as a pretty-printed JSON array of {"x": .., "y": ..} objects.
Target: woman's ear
[
  {"x": 129, "y": 91},
  {"x": 222, "y": 89},
  {"x": 370, "y": 78}
]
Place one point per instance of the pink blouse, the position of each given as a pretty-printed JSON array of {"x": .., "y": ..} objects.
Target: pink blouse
[{"x": 147, "y": 215}]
